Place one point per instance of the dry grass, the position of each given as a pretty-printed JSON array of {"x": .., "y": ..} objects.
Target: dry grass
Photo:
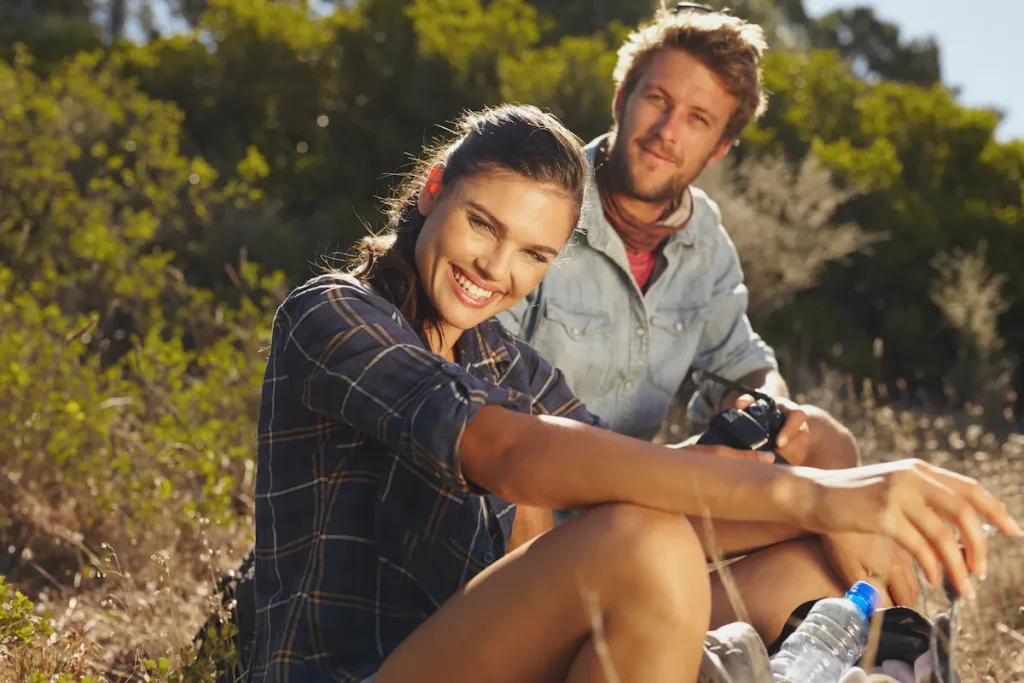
[{"x": 109, "y": 626}]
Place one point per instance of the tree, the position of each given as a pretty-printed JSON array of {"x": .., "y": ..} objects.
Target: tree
[
  {"x": 934, "y": 178},
  {"x": 875, "y": 48}
]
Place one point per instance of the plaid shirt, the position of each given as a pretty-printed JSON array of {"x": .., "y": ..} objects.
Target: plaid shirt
[{"x": 364, "y": 521}]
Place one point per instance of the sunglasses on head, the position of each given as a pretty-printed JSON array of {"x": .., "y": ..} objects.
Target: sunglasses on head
[{"x": 692, "y": 7}]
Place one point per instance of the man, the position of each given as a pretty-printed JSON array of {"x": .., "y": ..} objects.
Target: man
[{"x": 653, "y": 287}]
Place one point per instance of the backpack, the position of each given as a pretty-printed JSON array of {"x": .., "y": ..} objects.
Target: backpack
[{"x": 905, "y": 635}]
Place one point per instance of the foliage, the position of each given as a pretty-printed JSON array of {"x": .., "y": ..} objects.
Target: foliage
[
  {"x": 19, "y": 625},
  {"x": 932, "y": 177},
  {"x": 127, "y": 393},
  {"x": 158, "y": 197}
]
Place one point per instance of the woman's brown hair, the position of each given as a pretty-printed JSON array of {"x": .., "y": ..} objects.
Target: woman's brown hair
[{"x": 510, "y": 138}]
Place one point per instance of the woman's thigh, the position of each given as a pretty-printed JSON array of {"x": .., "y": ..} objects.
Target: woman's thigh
[{"x": 527, "y": 616}]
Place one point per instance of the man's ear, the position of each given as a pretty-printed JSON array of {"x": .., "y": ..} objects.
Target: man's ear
[
  {"x": 618, "y": 102},
  {"x": 724, "y": 145},
  {"x": 427, "y": 198}
]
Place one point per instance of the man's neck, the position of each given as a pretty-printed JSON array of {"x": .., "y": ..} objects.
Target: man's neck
[{"x": 647, "y": 212}]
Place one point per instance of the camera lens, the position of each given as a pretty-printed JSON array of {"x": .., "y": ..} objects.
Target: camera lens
[{"x": 756, "y": 409}]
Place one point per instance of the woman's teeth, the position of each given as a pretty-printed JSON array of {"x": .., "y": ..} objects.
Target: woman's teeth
[{"x": 472, "y": 289}]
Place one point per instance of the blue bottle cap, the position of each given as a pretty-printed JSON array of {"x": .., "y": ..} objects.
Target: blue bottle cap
[{"x": 865, "y": 596}]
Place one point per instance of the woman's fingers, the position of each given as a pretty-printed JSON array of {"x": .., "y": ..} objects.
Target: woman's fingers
[
  {"x": 909, "y": 537},
  {"x": 943, "y": 542},
  {"x": 960, "y": 512},
  {"x": 981, "y": 500}
]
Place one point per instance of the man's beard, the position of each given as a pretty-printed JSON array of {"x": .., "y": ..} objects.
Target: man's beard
[{"x": 668, "y": 191}]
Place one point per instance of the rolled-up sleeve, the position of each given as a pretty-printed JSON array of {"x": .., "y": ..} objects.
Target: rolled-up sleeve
[
  {"x": 729, "y": 346},
  {"x": 351, "y": 357}
]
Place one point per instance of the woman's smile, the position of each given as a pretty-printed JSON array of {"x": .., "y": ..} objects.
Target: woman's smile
[{"x": 470, "y": 290}]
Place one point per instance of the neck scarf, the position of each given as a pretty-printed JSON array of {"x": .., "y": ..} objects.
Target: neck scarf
[{"x": 638, "y": 236}]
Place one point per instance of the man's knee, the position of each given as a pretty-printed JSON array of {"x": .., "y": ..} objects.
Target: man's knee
[{"x": 830, "y": 435}]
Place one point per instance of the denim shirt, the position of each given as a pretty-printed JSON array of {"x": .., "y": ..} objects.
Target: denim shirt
[{"x": 625, "y": 353}]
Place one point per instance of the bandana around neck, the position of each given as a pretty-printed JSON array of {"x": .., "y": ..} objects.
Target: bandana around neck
[{"x": 638, "y": 236}]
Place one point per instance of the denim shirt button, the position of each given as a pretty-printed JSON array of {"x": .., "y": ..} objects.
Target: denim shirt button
[
  {"x": 451, "y": 368},
  {"x": 488, "y": 557}
]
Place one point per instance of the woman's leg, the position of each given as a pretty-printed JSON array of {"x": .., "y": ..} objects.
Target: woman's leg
[
  {"x": 529, "y": 618},
  {"x": 772, "y": 583}
]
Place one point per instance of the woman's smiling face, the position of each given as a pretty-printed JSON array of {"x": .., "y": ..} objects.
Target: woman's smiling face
[{"x": 487, "y": 241}]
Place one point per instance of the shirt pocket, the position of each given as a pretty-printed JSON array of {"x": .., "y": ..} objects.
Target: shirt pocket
[
  {"x": 677, "y": 334},
  {"x": 579, "y": 344}
]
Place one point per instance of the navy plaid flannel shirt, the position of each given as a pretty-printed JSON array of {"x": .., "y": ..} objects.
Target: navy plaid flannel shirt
[{"x": 364, "y": 521}]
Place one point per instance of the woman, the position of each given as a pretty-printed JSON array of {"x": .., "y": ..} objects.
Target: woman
[{"x": 400, "y": 424}]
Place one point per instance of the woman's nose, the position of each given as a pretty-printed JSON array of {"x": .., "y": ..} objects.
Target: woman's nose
[{"x": 494, "y": 264}]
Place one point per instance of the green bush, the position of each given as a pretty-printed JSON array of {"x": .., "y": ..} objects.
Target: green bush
[{"x": 128, "y": 395}]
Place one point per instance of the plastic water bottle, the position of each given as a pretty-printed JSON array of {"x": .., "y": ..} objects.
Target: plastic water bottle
[{"x": 830, "y": 640}]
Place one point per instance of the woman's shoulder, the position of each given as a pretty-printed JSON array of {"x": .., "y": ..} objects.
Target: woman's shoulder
[{"x": 338, "y": 288}]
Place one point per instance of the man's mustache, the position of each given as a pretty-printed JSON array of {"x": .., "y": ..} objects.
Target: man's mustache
[{"x": 656, "y": 146}]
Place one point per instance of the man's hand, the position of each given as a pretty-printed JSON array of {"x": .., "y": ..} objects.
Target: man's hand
[
  {"x": 869, "y": 557},
  {"x": 793, "y": 441}
]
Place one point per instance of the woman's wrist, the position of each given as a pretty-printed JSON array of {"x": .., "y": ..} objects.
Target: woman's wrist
[{"x": 796, "y": 493}]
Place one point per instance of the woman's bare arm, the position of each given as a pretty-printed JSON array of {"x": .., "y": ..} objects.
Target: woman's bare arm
[{"x": 558, "y": 463}]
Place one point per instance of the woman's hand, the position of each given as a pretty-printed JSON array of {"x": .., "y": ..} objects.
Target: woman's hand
[{"x": 917, "y": 504}]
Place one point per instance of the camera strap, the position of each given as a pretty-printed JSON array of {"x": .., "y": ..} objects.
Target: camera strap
[{"x": 697, "y": 375}]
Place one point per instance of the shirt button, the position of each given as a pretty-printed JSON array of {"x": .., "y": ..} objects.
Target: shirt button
[
  {"x": 451, "y": 368},
  {"x": 575, "y": 331},
  {"x": 488, "y": 557},
  {"x": 679, "y": 327},
  {"x": 628, "y": 384},
  {"x": 640, "y": 331}
]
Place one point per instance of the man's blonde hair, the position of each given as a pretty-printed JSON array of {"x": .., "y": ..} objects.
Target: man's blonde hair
[{"x": 730, "y": 47}]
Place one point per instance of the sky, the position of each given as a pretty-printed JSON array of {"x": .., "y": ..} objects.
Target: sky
[{"x": 981, "y": 47}]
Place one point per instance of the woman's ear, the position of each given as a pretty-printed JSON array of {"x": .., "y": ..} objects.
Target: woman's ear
[{"x": 428, "y": 195}]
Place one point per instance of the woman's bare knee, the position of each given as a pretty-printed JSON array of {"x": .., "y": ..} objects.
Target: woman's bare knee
[{"x": 649, "y": 555}]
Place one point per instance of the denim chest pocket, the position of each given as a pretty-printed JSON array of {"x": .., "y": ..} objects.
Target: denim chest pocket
[
  {"x": 579, "y": 344},
  {"x": 677, "y": 335}
]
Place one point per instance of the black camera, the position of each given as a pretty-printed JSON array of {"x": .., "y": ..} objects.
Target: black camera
[{"x": 754, "y": 428}]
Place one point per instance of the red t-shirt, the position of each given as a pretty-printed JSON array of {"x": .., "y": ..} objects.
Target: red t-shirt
[{"x": 642, "y": 265}]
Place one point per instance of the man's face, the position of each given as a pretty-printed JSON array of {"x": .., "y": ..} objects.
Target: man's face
[{"x": 670, "y": 127}]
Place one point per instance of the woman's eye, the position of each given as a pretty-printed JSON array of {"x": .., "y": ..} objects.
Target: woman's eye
[
  {"x": 477, "y": 223},
  {"x": 537, "y": 256}
]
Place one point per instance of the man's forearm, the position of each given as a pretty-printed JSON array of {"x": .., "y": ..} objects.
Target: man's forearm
[{"x": 766, "y": 381}]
